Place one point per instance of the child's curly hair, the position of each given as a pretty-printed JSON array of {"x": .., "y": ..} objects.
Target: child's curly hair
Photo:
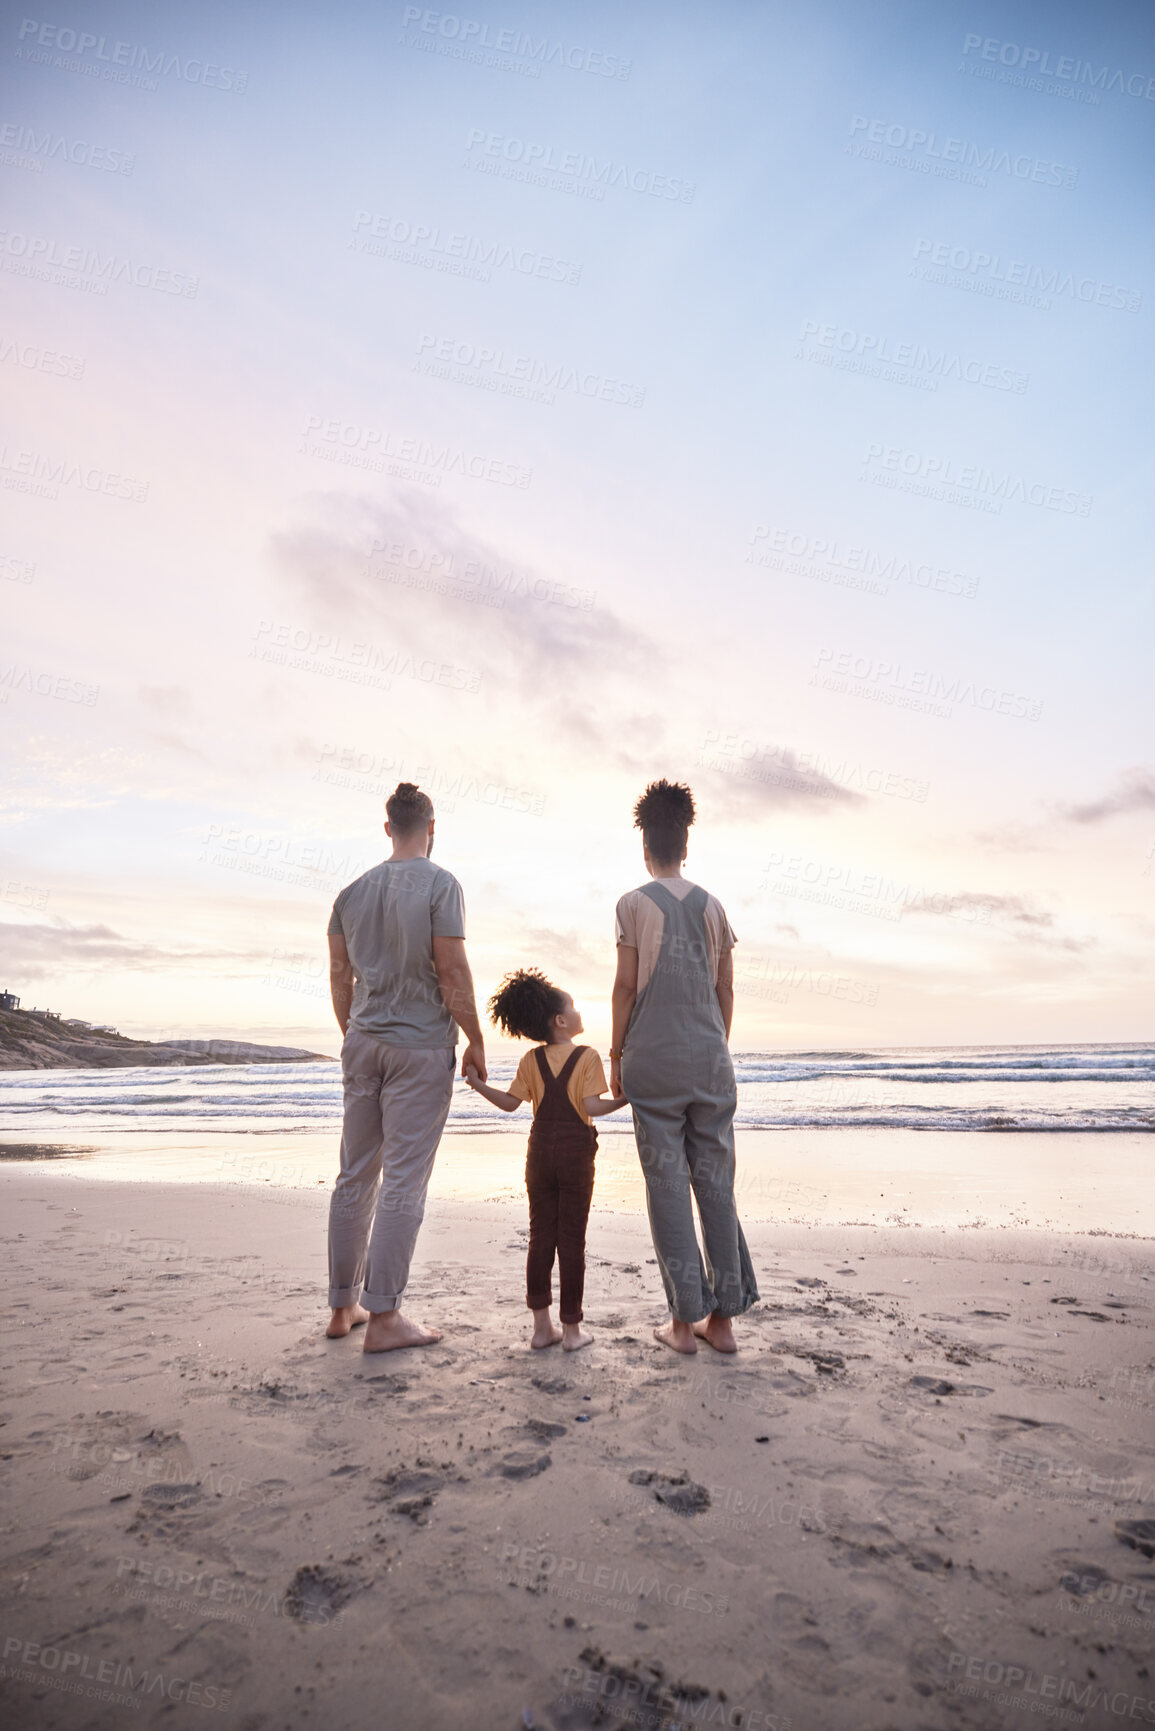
[
  {"x": 664, "y": 815},
  {"x": 525, "y": 1004}
]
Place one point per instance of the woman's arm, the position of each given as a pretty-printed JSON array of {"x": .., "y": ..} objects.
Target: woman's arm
[
  {"x": 725, "y": 988},
  {"x": 596, "y": 1107},
  {"x": 624, "y": 997},
  {"x": 495, "y": 1096}
]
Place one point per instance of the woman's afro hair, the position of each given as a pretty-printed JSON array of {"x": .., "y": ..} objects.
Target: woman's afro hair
[{"x": 664, "y": 815}]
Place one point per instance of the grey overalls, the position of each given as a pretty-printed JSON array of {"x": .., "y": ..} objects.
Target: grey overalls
[{"x": 679, "y": 1080}]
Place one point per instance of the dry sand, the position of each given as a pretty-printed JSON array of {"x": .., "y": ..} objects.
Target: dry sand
[{"x": 916, "y": 1497}]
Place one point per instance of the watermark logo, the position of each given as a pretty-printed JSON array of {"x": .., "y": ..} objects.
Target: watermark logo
[
  {"x": 42, "y": 476},
  {"x": 24, "y": 147},
  {"x": 901, "y": 363},
  {"x": 81, "y": 267},
  {"x": 503, "y": 49},
  {"x": 990, "y": 274},
  {"x": 1028, "y": 67},
  {"x": 805, "y": 771},
  {"x": 354, "y": 661},
  {"x": 849, "y": 565},
  {"x": 380, "y": 450},
  {"x": 920, "y": 688},
  {"x": 33, "y": 358},
  {"x": 486, "y": 368},
  {"x": 570, "y": 171},
  {"x": 968, "y": 484},
  {"x": 897, "y": 145},
  {"x": 458, "y": 254},
  {"x": 441, "y": 572},
  {"x": 38, "y": 683},
  {"x": 132, "y": 63}
]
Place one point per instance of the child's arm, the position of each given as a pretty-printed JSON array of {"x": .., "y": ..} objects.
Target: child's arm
[
  {"x": 495, "y": 1096},
  {"x": 596, "y": 1107}
]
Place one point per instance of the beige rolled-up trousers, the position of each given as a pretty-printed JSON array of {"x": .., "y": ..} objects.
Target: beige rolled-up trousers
[{"x": 396, "y": 1103}]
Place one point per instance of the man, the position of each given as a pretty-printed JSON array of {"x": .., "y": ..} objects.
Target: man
[
  {"x": 399, "y": 980},
  {"x": 673, "y": 1001}
]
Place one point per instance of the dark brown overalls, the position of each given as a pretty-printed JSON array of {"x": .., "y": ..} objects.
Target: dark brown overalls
[{"x": 559, "y": 1176}]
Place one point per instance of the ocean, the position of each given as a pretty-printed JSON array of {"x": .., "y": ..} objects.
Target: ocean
[
  {"x": 1038, "y": 1136},
  {"x": 956, "y": 1088}
]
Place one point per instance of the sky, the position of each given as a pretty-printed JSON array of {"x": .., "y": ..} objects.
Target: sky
[{"x": 533, "y": 401}]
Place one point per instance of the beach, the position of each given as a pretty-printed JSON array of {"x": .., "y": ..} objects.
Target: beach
[{"x": 920, "y": 1495}]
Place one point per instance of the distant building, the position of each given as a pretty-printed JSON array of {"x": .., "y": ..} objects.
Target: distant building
[
  {"x": 9, "y": 1001},
  {"x": 44, "y": 1015}
]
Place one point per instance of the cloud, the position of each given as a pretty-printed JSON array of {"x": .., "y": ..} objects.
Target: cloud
[
  {"x": 166, "y": 700},
  {"x": 1135, "y": 792},
  {"x": 1013, "y": 838},
  {"x": 743, "y": 789},
  {"x": 41, "y": 952},
  {"x": 1026, "y": 923},
  {"x": 568, "y": 951},
  {"x": 412, "y": 571},
  {"x": 410, "y": 574}
]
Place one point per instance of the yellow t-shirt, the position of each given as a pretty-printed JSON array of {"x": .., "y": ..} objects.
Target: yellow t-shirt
[{"x": 587, "y": 1076}]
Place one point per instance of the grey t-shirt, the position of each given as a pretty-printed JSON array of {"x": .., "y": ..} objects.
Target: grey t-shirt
[{"x": 389, "y": 918}]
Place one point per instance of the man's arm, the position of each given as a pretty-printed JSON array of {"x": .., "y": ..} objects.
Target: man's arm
[
  {"x": 456, "y": 983},
  {"x": 725, "y": 988},
  {"x": 340, "y": 980},
  {"x": 624, "y": 996}
]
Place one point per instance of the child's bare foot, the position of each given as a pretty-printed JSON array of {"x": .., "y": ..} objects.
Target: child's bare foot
[
  {"x": 574, "y": 1337},
  {"x": 545, "y": 1333},
  {"x": 347, "y": 1317},
  {"x": 677, "y": 1335},
  {"x": 719, "y": 1331},
  {"x": 390, "y": 1330}
]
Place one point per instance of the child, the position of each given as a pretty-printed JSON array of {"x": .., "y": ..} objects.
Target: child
[{"x": 565, "y": 1083}]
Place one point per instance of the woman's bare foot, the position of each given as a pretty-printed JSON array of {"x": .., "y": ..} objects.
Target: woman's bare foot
[
  {"x": 389, "y": 1331},
  {"x": 574, "y": 1337},
  {"x": 719, "y": 1331},
  {"x": 349, "y": 1316},
  {"x": 677, "y": 1335}
]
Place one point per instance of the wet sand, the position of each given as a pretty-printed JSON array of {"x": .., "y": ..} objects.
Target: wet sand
[{"x": 1075, "y": 1181}]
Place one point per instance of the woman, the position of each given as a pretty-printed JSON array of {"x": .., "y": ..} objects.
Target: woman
[{"x": 673, "y": 1002}]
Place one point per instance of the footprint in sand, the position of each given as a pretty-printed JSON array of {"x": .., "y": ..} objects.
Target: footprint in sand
[
  {"x": 936, "y": 1386},
  {"x": 409, "y": 1491},
  {"x": 168, "y": 1512},
  {"x": 315, "y": 1594},
  {"x": 1140, "y": 1535},
  {"x": 676, "y": 1491},
  {"x": 522, "y": 1464}
]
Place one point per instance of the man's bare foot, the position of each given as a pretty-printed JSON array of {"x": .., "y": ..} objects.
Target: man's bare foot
[
  {"x": 574, "y": 1337},
  {"x": 719, "y": 1331},
  {"x": 677, "y": 1335},
  {"x": 390, "y": 1330},
  {"x": 342, "y": 1320}
]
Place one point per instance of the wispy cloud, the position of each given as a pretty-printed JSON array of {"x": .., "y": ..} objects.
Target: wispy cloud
[
  {"x": 411, "y": 572},
  {"x": 747, "y": 791},
  {"x": 41, "y": 951},
  {"x": 1027, "y": 923},
  {"x": 1135, "y": 792}
]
